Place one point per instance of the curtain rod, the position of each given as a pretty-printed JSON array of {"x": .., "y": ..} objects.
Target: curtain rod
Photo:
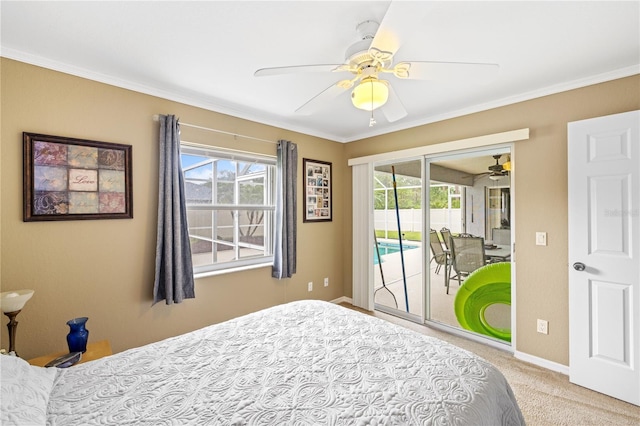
[{"x": 156, "y": 117}]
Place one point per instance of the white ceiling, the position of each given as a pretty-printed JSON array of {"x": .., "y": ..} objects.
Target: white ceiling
[{"x": 205, "y": 53}]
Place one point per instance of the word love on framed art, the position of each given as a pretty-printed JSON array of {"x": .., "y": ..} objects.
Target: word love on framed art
[
  {"x": 72, "y": 179},
  {"x": 317, "y": 184}
]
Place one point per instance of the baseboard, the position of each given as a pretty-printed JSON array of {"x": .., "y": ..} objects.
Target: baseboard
[
  {"x": 541, "y": 362},
  {"x": 342, "y": 299}
]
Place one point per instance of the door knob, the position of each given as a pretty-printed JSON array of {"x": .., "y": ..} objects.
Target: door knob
[{"x": 579, "y": 266}]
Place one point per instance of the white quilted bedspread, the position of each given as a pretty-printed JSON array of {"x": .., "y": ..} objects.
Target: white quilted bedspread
[{"x": 302, "y": 363}]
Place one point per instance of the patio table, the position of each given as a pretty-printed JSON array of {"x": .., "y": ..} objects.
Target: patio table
[{"x": 502, "y": 252}]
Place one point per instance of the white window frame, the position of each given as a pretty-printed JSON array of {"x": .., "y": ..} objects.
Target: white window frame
[{"x": 214, "y": 154}]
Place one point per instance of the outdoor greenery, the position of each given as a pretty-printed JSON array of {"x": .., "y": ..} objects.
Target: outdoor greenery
[
  {"x": 439, "y": 197},
  {"x": 409, "y": 191}
]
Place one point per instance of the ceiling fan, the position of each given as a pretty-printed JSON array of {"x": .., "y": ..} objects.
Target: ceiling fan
[
  {"x": 496, "y": 171},
  {"x": 371, "y": 57}
]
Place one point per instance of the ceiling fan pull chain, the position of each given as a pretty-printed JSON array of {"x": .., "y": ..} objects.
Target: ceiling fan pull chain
[{"x": 372, "y": 120}]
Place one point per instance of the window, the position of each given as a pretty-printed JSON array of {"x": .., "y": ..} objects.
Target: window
[{"x": 230, "y": 199}]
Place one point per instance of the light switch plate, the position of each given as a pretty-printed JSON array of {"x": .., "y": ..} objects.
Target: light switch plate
[{"x": 541, "y": 238}]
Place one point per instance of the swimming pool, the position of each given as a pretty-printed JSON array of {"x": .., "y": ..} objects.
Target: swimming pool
[{"x": 388, "y": 248}]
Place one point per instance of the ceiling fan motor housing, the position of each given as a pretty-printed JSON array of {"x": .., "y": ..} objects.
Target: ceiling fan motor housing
[
  {"x": 496, "y": 167},
  {"x": 497, "y": 170},
  {"x": 357, "y": 55}
]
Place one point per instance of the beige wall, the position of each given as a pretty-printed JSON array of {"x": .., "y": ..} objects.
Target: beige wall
[
  {"x": 540, "y": 181},
  {"x": 104, "y": 269}
]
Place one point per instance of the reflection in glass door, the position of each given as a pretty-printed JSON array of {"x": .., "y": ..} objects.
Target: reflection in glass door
[
  {"x": 398, "y": 224},
  {"x": 469, "y": 217}
]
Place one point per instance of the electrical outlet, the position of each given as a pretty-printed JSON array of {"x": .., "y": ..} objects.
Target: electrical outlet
[
  {"x": 543, "y": 326},
  {"x": 310, "y": 285},
  {"x": 326, "y": 282}
]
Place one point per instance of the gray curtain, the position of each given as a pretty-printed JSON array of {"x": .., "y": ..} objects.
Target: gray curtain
[
  {"x": 284, "y": 252},
  {"x": 174, "y": 268}
]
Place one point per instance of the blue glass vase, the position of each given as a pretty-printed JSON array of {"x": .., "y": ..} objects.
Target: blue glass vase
[{"x": 78, "y": 335}]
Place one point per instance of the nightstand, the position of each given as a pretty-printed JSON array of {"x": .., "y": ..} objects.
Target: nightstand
[{"x": 95, "y": 350}]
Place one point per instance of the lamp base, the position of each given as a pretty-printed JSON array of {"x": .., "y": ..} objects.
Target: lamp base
[{"x": 11, "y": 326}]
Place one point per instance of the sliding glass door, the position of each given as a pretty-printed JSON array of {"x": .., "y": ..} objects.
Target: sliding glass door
[
  {"x": 421, "y": 268},
  {"x": 469, "y": 220},
  {"x": 397, "y": 238}
]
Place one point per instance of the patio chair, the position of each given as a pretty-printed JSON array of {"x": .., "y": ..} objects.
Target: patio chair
[
  {"x": 446, "y": 235},
  {"x": 439, "y": 255},
  {"x": 467, "y": 255}
]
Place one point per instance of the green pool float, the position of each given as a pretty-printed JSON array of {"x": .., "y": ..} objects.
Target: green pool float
[{"x": 484, "y": 287}]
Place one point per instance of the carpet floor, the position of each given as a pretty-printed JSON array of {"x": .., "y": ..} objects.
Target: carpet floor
[{"x": 545, "y": 397}]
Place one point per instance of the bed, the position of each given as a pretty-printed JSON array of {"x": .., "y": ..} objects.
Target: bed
[{"x": 303, "y": 363}]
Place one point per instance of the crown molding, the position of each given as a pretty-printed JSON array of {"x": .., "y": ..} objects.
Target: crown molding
[{"x": 252, "y": 115}]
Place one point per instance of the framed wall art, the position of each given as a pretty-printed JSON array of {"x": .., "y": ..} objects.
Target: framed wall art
[
  {"x": 72, "y": 179},
  {"x": 317, "y": 184}
]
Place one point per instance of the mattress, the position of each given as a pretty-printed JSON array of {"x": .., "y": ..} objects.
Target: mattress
[{"x": 303, "y": 363}]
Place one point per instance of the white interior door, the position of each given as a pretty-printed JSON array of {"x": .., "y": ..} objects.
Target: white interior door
[{"x": 604, "y": 254}]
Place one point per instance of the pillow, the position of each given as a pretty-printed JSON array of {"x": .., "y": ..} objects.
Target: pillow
[{"x": 25, "y": 391}]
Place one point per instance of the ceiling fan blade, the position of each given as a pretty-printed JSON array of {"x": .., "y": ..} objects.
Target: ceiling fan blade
[
  {"x": 321, "y": 99},
  {"x": 299, "y": 69},
  {"x": 397, "y": 26},
  {"x": 393, "y": 110},
  {"x": 429, "y": 70}
]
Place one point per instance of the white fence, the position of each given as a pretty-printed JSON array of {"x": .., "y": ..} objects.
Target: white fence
[{"x": 411, "y": 220}]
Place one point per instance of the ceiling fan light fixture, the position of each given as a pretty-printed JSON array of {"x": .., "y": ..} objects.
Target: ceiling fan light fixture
[{"x": 370, "y": 94}]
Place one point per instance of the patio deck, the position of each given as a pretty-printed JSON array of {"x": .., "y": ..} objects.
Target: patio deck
[{"x": 442, "y": 309}]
